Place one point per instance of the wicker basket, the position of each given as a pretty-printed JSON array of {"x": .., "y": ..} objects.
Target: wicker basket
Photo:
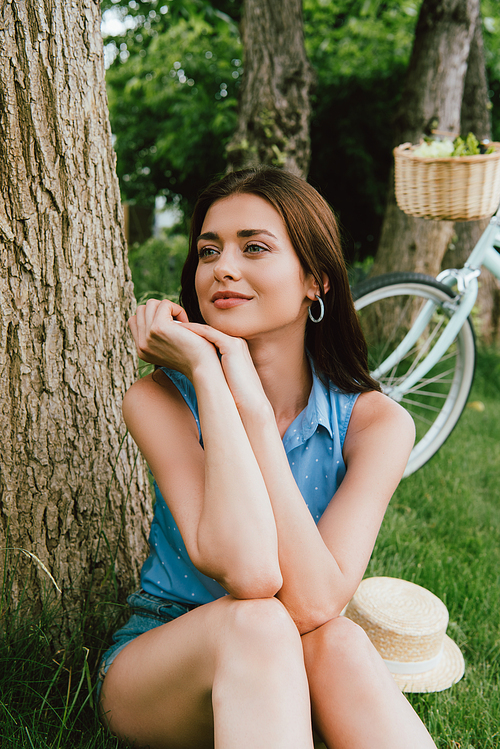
[{"x": 464, "y": 188}]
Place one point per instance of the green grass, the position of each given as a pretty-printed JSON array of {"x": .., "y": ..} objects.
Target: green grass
[
  {"x": 47, "y": 696},
  {"x": 441, "y": 531}
]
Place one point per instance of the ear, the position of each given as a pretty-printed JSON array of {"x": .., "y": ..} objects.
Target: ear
[{"x": 314, "y": 287}]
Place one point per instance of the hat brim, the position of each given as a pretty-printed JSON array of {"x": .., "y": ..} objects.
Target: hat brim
[{"x": 450, "y": 670}]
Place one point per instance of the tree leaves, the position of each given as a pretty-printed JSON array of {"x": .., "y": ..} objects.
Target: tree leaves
[{"x": 172, "y": 98}]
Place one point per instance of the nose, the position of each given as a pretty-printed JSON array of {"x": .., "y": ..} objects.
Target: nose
[{"x": 227, "y": 266}]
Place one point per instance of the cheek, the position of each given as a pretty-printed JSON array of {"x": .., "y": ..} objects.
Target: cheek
[
  {"x": 202, "y": 291},
  {"x": 199, "y": 283}
]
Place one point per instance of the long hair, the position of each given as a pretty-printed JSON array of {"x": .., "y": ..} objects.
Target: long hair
[{"x": 336, "y": 344}]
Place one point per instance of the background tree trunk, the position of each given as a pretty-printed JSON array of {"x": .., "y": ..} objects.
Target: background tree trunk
[
  {"x": 476, "y": 118},
  {"x": 71, "y": 489},
  {"x": 431, "y": 99},
  {"x": 274, "y": 110}
]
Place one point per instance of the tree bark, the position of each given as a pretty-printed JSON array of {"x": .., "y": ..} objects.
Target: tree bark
[
  {"x": 431, "y": 100},
  {"x": 475, "y": 114},
  {"x": 72, "y": 491},
  {"x": 274, "y": 109},
  {"x": 476, "y": 118}
]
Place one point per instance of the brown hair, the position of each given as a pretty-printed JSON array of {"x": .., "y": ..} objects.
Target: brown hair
[{"x": 336, "y": 344}]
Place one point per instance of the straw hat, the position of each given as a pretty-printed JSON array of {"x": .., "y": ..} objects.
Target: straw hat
[{"x": 407, "y": 624}]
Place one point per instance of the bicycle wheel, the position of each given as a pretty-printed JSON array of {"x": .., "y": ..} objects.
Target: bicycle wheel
[{"x": 387, "y": 307}]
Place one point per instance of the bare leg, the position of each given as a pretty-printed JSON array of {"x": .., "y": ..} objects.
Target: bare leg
[
  {"x": 233, "y": 669},
  {"x": 356, "y": 703}
]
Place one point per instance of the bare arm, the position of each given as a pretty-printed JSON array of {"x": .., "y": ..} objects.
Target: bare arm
[
  {"x": 217, "y": 495},
  {"x": 322, "y": 565}
]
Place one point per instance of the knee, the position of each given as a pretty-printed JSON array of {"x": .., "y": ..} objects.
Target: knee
[
  {"x": 339, "y": 642},
  {"x": 263, "y": 623},
  {"x": 258, "y": 644},
  {"x": 260, "y": 653}
]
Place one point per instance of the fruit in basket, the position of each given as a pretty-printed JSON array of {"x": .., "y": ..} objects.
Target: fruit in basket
[
  {"x": 448, "y": 188},
  {"x": 434, "y": 148}
]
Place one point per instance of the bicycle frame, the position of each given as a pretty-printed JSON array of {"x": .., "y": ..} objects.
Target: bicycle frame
[{"x": 484, "y": 253}]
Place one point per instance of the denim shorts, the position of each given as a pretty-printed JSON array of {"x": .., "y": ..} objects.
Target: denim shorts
[{"x": 148, "y": 612}]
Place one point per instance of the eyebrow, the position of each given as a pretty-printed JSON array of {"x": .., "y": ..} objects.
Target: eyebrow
[{"x": 242, "y": 233}]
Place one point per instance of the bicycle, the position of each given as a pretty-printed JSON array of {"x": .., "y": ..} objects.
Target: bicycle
[{"x": 421, "y": 345}]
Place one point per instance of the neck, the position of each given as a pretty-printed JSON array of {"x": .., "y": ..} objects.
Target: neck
[{"x": 286, "y": 377}]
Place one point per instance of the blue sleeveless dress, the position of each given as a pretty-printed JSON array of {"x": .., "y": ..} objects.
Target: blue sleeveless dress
[
  {"x": 313, "y": 443},
  {"x": 171, "y": 584}
]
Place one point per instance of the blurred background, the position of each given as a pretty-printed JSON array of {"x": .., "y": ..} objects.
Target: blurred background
[{"x": 174, "y": 77}]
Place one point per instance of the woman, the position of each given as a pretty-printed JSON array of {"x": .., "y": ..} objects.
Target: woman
[{"x": 260, "y": 411}]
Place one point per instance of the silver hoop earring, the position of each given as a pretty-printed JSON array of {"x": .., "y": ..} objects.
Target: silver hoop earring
[{"x": 321, "y": 310}]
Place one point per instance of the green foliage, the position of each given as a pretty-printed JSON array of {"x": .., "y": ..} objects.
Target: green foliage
[
  {"x": 352, "y": 155},
  {"x": 348, "y": 39},
  {"x": 360, "y": 50},
  {"x": 491, "y": 34},
  {"x": 171, "y": 134},
  {"x": 172, "y": 97},
  {"x": 469, "y": 147},
  {"x": 156, "y": 266},
  {"x": 359, "y": 270}
]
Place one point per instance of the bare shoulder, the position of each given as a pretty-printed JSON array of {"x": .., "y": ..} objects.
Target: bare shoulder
[
  {"x": 373, "y": 409},
  {"x": 153, "y": 386},
  {"x": 376, "y": 417}
]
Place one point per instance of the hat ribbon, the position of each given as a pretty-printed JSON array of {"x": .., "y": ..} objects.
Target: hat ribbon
[{"x": 413, "y": 667}]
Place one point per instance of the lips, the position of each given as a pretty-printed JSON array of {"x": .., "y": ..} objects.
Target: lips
[{"x": 228, "y": 299}]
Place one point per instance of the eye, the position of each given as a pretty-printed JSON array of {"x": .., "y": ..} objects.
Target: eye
[
  {"x": 255, "y": 249},
  {"x": 205, "y": 252}
]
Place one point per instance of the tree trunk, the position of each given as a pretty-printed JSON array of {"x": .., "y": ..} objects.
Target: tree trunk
[
  {"x": 431, "y": 100},
  {"x": 274, "y": 110},
  {"x": 72, "y": 492},
  {"x": 476, "y": 118},
  {"x": 475, "y": 115}
]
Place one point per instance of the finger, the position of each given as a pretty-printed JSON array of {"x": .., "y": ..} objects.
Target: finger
[
  {"x": 132, "y": 323},
  {"x": 140, "y": 336},
  {"x": 219, "y": 339},
  {"x": 151, "y": 309},
  {"x": 178, "y": 312},
  {"x": 164, "y": 310},
  {"x": 135, "y": 323},
  {"x": 155, "y": 314},
  {"x": 166, "y": 313}
]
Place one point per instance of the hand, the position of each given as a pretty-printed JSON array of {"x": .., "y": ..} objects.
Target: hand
[
  {"x": 238, "y": 367},
  {"x": 161, "y": 340}
]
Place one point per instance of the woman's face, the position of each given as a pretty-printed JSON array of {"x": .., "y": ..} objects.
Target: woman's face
[{"x": 249, "y": 280}]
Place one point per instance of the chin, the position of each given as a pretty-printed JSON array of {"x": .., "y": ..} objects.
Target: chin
[
  {"x": 230, "y": 324},
  {"x": 233, "y": 328},
  {"x": 237, "y": 331}
]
